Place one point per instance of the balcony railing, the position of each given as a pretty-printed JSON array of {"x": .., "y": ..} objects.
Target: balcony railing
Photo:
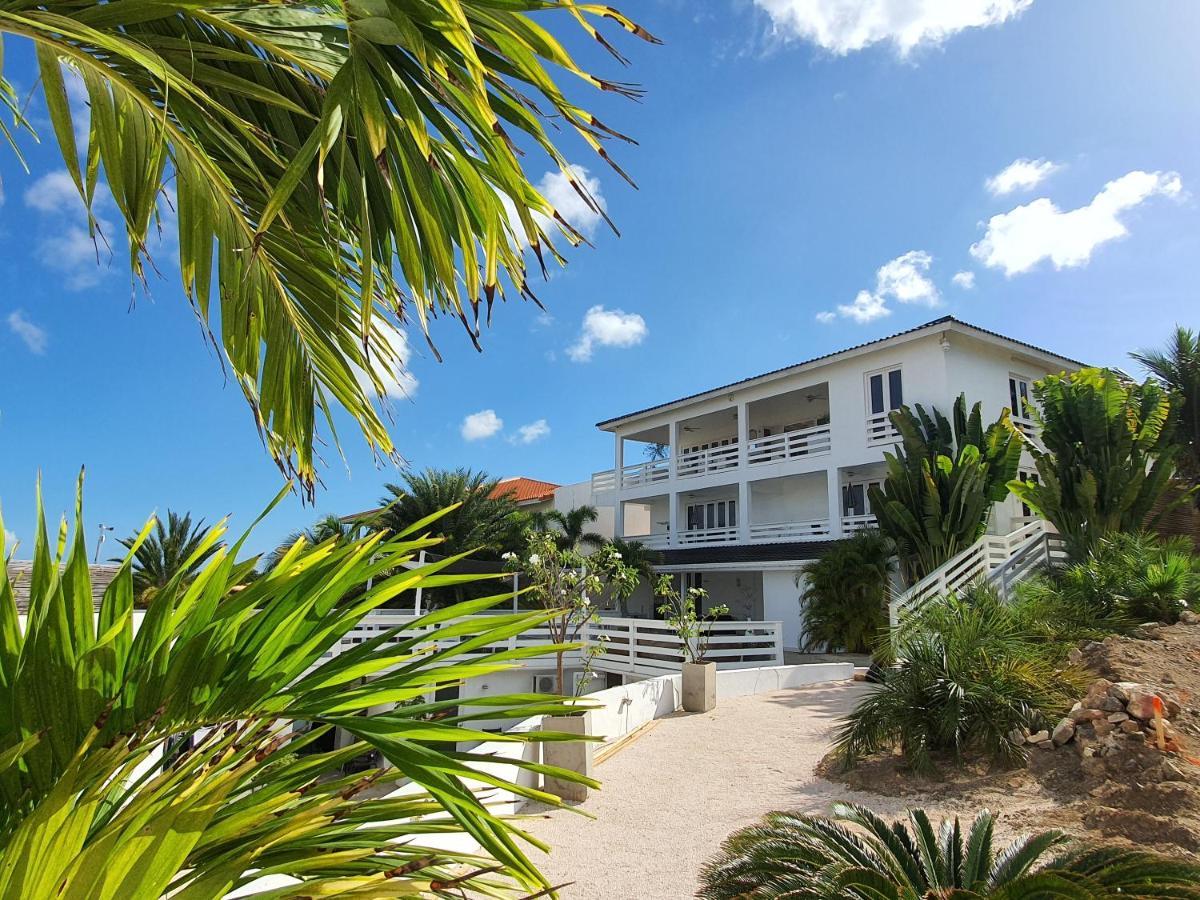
[
  {"x": 648, "y": 646},
  {"x": 851, "y": 524},
  {"x": 701, "y": 462},
  {"x": 604, "y": 482},
  {"x": 789, "y": 445},
  {"x": 813, "y": 529},
  {"x": 880, "y": 430},
  {"x": 649, "y": 472},
  {"x": 707, "y": 536}
]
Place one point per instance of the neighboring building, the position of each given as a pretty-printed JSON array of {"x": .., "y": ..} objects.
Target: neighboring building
[
  {"x": 101, "y": 576},
  {"x": 741, "y": 486},
  {"x": 529, "y": 494}
]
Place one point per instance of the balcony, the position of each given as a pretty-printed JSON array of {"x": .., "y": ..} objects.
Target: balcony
[
  {"x": 797, "y": 444},
  {"x": 773, "y": 533},
  {"x": 648, "y": 472},
  {"x": 853, "y": 524},
  {"x": 880, "y": 430},
  {"x": 712, "y": 459}
]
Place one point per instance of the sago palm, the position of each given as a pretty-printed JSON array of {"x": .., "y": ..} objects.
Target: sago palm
[
  {"x": 857, "y": 855},
  {"x": 92, "y": 699},
  {"x": 176, "y": 548},
  {"x": 336, "y": 169}
]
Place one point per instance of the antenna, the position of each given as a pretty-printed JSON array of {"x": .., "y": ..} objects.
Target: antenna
[{"x": 104, "y": 529}]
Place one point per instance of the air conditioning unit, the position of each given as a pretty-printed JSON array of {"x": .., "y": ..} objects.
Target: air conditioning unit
[{"x": 544, "y": 684}]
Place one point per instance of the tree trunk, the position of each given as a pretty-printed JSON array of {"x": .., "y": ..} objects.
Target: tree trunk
[{"x": 561, "y": 675}]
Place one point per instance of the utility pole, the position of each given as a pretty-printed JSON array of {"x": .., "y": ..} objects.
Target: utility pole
[{"x": 100, "y": 540}]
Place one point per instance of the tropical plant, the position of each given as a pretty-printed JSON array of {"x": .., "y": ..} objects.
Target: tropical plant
[
  {"x": 857, "y": 855},
  {"x": 170, "y": 550},
  {"x": 959, "y": 675},
  {"x": 89, "y": 704},
  {"x": 1178, "y": 369},
  {"x": 641, "y": 559},
  {"x": 941, "y": 483},
  {"x": 563, "y": 583},
  {"x": 846, "y": 594},
  {"x": 326, "y": 528},
  {"x": 484, "y": 521},
  {"x": 569, "y": 528},
  {"x": 694, "y": 629},
  {"x": 1106, "y": 455},
  {"x": 336, "y": 169}
]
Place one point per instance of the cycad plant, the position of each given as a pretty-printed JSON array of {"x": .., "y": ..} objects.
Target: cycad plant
[
  {"x": 171, "y": 549},
  {"x": 857, "y": 855},
  {"x": 336, "y": 170},
  {"x": 91, "y": 699},
  {"x": 846, "y": 594},
  {"x": 942, "y": 481},
  {"x": 1106, "y": 456},
  {"x": 960, "y": 674}
]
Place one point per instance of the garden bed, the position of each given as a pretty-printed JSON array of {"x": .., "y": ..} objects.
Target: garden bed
[{"x": 1139, "y": 795}]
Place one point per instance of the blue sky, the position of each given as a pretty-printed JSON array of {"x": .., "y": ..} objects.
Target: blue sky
[{"x": 796, "y": 157}]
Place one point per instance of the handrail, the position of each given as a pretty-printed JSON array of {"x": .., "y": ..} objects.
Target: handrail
[{"x": 812, "y": 441}]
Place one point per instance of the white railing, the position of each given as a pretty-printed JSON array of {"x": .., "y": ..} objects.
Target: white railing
[
  {"x": 789, "y": 445},
  {"x": 707, "y": 536},
  {"x": 851, "y": 524},
  {"x": 649, "y": 472},
  {"x": 701, "y": 462},
  {"x": 659, "y": 541},
  {"x": 604, "y": 482},
  {"x": 790, "y": 531},
  {"x": 880, "y": 430},
  {"x": 651, "y": 647}
]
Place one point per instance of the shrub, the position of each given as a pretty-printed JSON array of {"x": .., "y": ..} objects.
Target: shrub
[
  {"x": 941, "y": 483},
  {"x": 964, "y": 672},
  {"x": 845, "y": 601},
  {"x": 856, "y": 855}
]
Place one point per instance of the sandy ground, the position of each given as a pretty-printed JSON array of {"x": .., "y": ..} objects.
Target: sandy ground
[{"x": 671, "y": 797}]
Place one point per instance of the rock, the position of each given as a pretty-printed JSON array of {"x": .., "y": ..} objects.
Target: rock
[
  {"x": 1131, "y": 726},
  {"x": 1103, "y": 727},
  {"x": 1187, "y": 617},
  {"x": 1074, "y": 656},
  {"x": 1063, "y": 732},
  {"x": 1017, "y": 736},
  {"x": 1110, "y": 704},
  {"x": 1038, "y": 737},
  {"x": 1122, "y": 689},
  {"x": 1142, "y": 702},
  {"x": 1097, "y": 693},
  {"x": 1045, "y": 745},
  {"x": 1084, "y": 715},
  {"x": 1118, "y": 717}
]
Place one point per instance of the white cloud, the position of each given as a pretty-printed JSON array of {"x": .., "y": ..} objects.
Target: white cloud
[
  {"x": 481, "y": 425},
  {"x": 35, "y": 337},
  {"x": 1018, "y": 240},
  {"x": 10, "y": 538},
  {"x": 65, "y": 244},
  {"x": 964, "y": 280},
  {"x": 844, "y": 26},
  {"x": 534, "y": 431},
  {"x": 825, "y": 317},
  {"x": 608, "y": 328},
  {"x": 72, "y": 251},
  {"x": 398, "y": 381},
  {"x": 54, "y": 192},
  {"x": 904, "y": 279},
  {"x": 556, "y": 187},
  {"x": 1021, "y": 175}
]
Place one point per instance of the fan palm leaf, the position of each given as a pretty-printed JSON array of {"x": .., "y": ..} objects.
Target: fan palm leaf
[
  {"x": 336, "y": 170},
  {"x": 175, "y": 548}
]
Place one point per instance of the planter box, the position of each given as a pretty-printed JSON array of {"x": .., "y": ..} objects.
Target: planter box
[
  {"x": 574, "y": 755},
  {"x": 699, "y": 686}
]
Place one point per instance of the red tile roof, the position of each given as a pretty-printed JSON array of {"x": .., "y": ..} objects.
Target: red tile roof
[{"x": 524, "y": 490}]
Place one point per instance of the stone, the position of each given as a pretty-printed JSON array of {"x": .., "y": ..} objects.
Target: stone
[
  {"x": 1096, "y": 693},
  {"x": 1039, "y": 737},
  {"x": 1103, "y": 727},
  {"x": 1017, "y": 736},
  {"x": 1131, "y": 726},
  {"x": 1141, "y": 705},
  {"x": 1045, "y": 745},
  {"x": 1118, "y": 717},
  {"x": 1063, "y": 732},
  {"x": 1111, "y": 704},
  {"x": 1187, "y": 617},
  {"x": 1122, "y": 689},
  {"x": 1084, "y": 714},
  {"x": 1074, "y": 656}
]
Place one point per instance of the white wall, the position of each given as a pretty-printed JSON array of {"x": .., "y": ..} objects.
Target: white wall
[
  {"x": 781, "y": 603},
  {"x": 571, "y": 496},
  {"x": 647, "y": 516},
  {"x": 742, "y": 592},
  {"x": 798, "y": 498}
]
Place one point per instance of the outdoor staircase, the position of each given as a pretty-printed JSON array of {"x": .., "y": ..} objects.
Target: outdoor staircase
[{"x": 1003, "y": 560}]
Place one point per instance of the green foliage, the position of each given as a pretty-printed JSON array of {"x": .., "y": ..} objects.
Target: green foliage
[
  {"x": 856, "y": 855},
  {"x": 693, "y": 629},
  {"x": 941, "y": 483},
  {"x": 166, "y": 552},
  {"x": 569, "y": 528},
  {"x": 962, "y": 673},
  {"x": 1106, "y": 455},
  {"x": 846, "y": 598},
  {"x": 326, "y": 528},
  {"x": 1125, "y": 580},
  {"x": 87, "y": 703},
  {"x": 337, "y": 169},
  {"x": 1178, "y": 368}
]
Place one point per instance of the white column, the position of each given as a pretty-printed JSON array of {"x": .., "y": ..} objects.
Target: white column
[
  {"x": 743, "y": 433},
  {"x": 619, "y": 460},
  {"x": 743, "y": 510},
  {"x": 417, "y": 598},
  {"x": 833, "y": 477},
  {"x": 672, "y": 518},
  {"x": 673, "y": 455}
]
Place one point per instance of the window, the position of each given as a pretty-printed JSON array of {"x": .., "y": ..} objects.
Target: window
[
  {"x": 713, "y": 514},
  {"x": 1020, "y": 398},
  {"x": 1032, "y": 477},
  {"x": 885, "y": 393},
  {"x": 855, "y": 498}
]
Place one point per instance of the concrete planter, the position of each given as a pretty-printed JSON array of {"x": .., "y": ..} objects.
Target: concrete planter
[
  {"x": 699, "y": 686},
  {"x": 577, "y": 756}
]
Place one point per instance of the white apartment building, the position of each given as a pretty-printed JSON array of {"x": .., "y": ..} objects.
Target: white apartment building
[{"x": 741, "y": 486}]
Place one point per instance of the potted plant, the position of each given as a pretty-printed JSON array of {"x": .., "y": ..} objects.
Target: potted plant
[
  {"x": 695, "y": 632},
  {"x": 563, "y": 582}
]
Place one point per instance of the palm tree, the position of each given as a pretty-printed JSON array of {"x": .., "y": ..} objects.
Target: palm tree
[
  {"x": 328, "y": 527},
  {"x": 1178, "y": 368},
  {"x": 336, "y": 171},
  {"x": 484, "y": 521},
  {"x": 569, "y": 528},
  {"x": 856, "y": 855},
  {"x": 179, "y": 549},
  {"x": 846, "y": 594},
  {"x": 90, "y": 704}
]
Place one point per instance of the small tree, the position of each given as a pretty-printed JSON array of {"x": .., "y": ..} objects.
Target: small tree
[
  {"x": 1107, "y": 455},
  {"x": 679, "y": 611},
  {"x": 942, "y": 481},
  {"x": 846, "y": 594},
  {"x": 1178, "y": 369},
  {"x": 564, "y": 581}
]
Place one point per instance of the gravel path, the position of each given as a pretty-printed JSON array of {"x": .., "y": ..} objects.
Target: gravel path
[{"x": 671, "y": 797}]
